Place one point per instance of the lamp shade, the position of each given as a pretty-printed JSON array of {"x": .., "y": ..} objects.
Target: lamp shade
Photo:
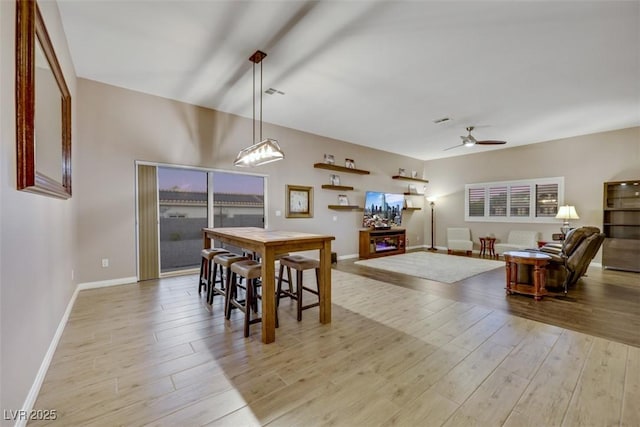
[
  {"x": 567, "y": 212},
  {"x": 265, "y": 151}
]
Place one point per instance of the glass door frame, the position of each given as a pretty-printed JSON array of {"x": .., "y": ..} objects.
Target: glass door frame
[{"x": 210, "y": 207}]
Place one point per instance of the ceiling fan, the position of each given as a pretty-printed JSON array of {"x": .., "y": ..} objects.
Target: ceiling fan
[{"x": 469, "y": 141}]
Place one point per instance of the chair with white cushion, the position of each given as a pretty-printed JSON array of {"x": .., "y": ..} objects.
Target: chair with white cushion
[
  {"x": 459, "y": 239},
  {"x": 518, "y": 240}
]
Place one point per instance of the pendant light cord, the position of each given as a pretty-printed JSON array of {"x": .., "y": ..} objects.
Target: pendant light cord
[
  {"x": 260, "y": 100},
  {"x": 253, "y": 141}
]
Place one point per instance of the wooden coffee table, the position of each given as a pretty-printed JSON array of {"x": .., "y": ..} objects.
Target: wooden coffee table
[{"x": 539, "y": 261}]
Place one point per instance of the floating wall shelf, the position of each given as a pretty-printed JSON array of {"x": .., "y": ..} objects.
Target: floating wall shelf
[
  {"x": 340, "y": 168},
  {"x": 345, "y": 208},
  {"x": 408, "y": 178},
  {"x": 336, "y": 187}
]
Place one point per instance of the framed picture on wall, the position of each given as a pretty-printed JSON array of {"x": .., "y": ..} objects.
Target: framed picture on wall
[
  {"x": 299, "y": 201},
  {"x": 350, "y": 163},
  {"x": 343, "y": 200}
]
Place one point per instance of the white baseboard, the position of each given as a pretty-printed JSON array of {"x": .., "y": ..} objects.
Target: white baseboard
[
  {"x": 27, "y": 406},
  {"x": 409, "y": 248},
  {"x": 349, "y": 256},
  {"x": 107, "y": 283}
]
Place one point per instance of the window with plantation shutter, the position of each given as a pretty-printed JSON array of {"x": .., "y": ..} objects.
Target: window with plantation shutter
[
  {"x": 546, "y": 200},
  {"x": 520, "y": 200},
  {"x": 530, "y": 200},
  {"x": 498, "y": 201},
  {"x": 476, "y": 201}
]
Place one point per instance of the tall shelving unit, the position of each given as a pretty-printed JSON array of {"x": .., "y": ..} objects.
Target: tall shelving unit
[{"x": 621, "y": 225}]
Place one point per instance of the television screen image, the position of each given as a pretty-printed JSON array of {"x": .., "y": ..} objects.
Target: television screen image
[{"x": 382, "y": 209}]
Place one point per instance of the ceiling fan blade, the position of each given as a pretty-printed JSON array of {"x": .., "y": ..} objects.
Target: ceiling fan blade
[{"x": 490, "y": 142}]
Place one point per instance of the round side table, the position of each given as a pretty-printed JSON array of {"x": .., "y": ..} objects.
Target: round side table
[{"x": 487, "y": 246}]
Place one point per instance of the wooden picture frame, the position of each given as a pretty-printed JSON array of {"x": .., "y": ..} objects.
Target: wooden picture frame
[
  {"x": 48, "y": 173},
  {"x": 299, "y": 201}
]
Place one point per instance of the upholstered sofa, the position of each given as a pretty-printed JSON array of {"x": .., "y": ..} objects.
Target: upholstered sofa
[{"x": 518, "y": 240}]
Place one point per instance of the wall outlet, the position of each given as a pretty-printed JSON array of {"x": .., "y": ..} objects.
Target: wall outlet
[
  {"x": 105, "y": 262},
  {"x": 335, "y": 217},
  {"x": 73, "y": 275},
  {"x": 278, "y": 213}
]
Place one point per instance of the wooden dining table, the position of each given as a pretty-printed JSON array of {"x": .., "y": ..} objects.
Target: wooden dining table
[{"x": 269, "y": 243}]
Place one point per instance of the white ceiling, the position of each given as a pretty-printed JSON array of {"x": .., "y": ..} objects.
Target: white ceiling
[{"x": 378, "y": 73}]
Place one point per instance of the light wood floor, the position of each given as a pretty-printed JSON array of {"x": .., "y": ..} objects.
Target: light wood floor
[{"x": 155, "y": 354}]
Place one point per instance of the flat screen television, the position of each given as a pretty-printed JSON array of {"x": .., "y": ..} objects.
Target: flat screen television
[{"x": 382, "y": 209}]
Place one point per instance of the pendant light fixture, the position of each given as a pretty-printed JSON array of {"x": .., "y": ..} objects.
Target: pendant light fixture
[{"x": 267, "y": 150}]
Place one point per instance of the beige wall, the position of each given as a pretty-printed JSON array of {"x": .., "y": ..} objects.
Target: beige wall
[
  {"x": 119, "y": 126},
  {"x": 585, "y": 162},
  {"x": 37, "y": 236}
]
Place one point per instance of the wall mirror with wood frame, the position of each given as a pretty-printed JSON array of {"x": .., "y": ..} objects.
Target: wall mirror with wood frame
[{"x": 43, "y": 109}]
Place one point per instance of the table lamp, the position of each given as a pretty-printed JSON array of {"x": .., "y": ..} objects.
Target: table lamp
[{"x": 566, "y": 213}]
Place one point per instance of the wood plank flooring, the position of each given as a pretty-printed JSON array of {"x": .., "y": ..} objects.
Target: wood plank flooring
[
  {"x": 604, "y": 303},
  {"x": 421, "y": 353}
]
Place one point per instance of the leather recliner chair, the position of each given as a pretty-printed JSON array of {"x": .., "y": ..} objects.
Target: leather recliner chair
[{"x": 571, "y": 258}]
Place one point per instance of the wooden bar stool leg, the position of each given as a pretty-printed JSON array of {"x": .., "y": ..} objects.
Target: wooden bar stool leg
[
  {"x": 279, "y": 286},
  {"x": 299, "y": 291},
  {"x": 248, "y": 302},
  {"x": 215, "y": 274},
  {"x": 202, "y": 266},
  {"x": 209, "y": 280},
  {"x": 230, "y": 281},
  {"x": 229, "y": 291}
]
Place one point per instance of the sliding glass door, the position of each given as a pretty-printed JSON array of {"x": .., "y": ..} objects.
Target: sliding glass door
[
  {"x": 190, "y": 199},
  {"x": 183, "y": 212}
]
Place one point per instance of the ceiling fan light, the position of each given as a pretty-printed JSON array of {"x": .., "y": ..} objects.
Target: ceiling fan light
[
  {"x": 265, "y": 151},
  {"x": 468, "y": 141}
]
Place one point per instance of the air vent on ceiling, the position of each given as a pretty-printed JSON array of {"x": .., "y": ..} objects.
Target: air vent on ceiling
[
  {"x": 442, "y": 120},
  {"x": 271, "y": 91}
]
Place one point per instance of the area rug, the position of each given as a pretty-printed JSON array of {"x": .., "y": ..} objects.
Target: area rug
[{"x": 432, "y": 266}]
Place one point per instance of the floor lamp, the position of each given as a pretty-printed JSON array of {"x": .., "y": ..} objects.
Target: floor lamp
[{"x": 432, "y": 203}]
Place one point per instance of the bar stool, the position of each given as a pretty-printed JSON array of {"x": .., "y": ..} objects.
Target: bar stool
[
  {"x": 280, "y": 273},
  {"x": 250, "y": 270},
  {"x": 207, "y": 279},
  {"x": 298, "y": 263},
  {"x": 225, "y": 261}
]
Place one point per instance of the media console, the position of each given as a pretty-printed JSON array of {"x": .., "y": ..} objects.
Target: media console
[{"x": 376, "y": 243}]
